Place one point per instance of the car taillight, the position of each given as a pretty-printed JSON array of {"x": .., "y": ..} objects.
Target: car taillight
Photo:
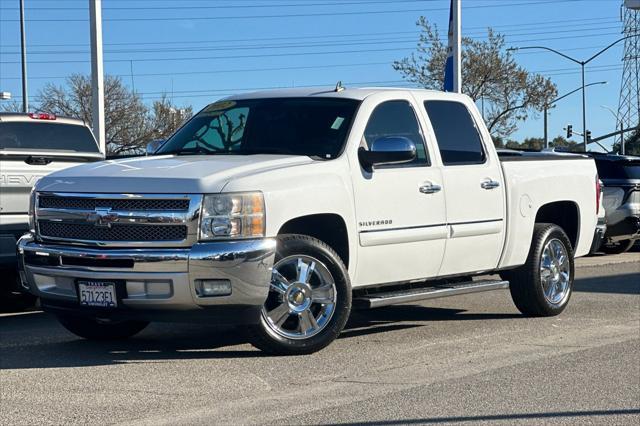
[
  {"x": 42, "y": 116},
  {"x": 598, "y": 191}
]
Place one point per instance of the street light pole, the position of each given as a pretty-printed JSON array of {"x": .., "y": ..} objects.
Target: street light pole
[
  {"x": 615, "y": 115},
  {"x": 582, "y": 65},
  {"x": 97, "y": 74},
  {"x": 23, "y": 44}
]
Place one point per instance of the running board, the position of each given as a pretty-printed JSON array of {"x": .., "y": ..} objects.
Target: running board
[{"x": 376, "y": 300}]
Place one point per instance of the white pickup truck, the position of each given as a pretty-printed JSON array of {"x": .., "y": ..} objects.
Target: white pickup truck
[
  {"x": 31, "y": 146},
  {"x": 281, "y": 210}
]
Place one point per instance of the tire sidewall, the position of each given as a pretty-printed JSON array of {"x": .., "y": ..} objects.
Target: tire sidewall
[
  {"x": 548, "y": 234},
  {"x": 291, "y": 245}
]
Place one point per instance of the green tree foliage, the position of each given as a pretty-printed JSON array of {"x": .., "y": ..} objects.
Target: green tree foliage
[
  {"x": 129, "y": 123},
  {"x": 489, "y": 72}
]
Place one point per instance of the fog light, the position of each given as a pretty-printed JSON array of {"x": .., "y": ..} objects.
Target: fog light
[{"x": 211, "y": 288}]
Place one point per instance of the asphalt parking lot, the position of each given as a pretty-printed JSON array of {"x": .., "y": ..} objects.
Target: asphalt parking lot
[{"x": 462, "y": 360}]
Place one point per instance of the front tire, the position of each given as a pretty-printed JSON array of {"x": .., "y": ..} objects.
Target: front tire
[
  {"x": 309, "y": 299},
  {"x": 542, "y": 286},
  {"x": 92, "y": 329}
]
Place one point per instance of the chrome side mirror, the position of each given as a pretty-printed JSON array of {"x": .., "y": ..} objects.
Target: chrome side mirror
[
  {"x": 387, "y": 150},
  {"x": 153, "y": 146}
]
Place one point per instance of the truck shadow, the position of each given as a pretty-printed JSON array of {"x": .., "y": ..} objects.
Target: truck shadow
[{"x": 36, "y": 340}]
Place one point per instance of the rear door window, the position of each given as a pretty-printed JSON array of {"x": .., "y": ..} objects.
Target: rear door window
[
  {"x": 39, "y": 136},
  {"x": 456, "y": 133},
  {"x": 618, "y": 169}
]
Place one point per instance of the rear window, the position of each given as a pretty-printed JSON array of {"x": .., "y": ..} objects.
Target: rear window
[
  {"x": 19, "y": 135},
  {"x": 618, "y": 169}
]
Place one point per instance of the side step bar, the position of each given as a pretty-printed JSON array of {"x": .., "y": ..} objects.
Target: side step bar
[{"x": 376, "y": 300}]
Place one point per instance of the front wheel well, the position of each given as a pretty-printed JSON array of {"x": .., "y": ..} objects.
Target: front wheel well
[
  {"x": 565, "y": 214},
  {"x": 329, "y": 228}
]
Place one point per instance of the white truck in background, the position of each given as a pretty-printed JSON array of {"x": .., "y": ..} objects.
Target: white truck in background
[
  {"x": 282, "y": 210},
  {"x": 31, "y": 146}
]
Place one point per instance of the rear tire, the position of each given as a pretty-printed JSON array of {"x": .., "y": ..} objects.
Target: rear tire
[
  {"x": 92, "y": 329},
  {"x": 309, "y": 299},
  {"x": 618, "y": 247},
  {"x": 542, "y": 286}
]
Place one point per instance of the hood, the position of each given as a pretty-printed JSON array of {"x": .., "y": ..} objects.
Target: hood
[{"x": 193, "y": 174}]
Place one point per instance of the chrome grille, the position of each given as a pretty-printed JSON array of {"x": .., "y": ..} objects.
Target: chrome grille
[
  {"x": 75, "y": 231},
  {"x": 119, "y": 220},
  {"x": 51, "y": 202}
]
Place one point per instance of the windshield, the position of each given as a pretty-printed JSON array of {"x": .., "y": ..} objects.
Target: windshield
[
  {"x": 43, "y": 136},
  {"x": 315, "y": 127}
]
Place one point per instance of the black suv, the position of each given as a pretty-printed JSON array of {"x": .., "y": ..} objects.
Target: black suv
[{"x": 621, "y": 177}]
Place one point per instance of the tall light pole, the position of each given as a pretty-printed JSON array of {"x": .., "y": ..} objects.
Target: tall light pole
[
  {"x": 550, "y": 104},
  {"x": 23, "y": 45},
  {"x": 97, "y": 73},
  {"x": 582, "y": 66}
]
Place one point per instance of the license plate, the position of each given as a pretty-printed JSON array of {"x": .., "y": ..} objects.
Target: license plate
[{"x": 100, "y": 294}]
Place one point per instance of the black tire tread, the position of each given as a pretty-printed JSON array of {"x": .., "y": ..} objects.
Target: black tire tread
[{"x": 523, "y": 280}]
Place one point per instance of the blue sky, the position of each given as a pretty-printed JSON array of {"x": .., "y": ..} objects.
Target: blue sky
[{"x": 199, "y": 50}]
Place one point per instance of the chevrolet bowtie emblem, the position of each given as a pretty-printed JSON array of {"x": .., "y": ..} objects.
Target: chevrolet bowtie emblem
[{"x": 102, "y": 217}]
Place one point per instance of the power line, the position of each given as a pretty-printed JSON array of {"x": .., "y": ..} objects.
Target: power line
[
  {"x": 290, "y": 15},
  {"x": 273, "y": 46},
  {"x": 564, "y": 22}
]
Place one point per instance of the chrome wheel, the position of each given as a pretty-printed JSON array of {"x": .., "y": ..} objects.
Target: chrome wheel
[
  {"x": 302, "y": 298},
  {"x": 555, "y": 272}
]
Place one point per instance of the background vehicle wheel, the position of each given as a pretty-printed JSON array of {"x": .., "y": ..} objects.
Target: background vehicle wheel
[
  {"x": 309, "y": 299},
  {"x": 542, "y": 286},
  {"x": 618, "y": 247},
  {"x": 93, "y": 329}
]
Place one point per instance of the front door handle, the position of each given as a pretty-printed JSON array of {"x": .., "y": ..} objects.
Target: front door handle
[
  {"x": 489, "y": 184},
  {"x": 430, "y": 188}
]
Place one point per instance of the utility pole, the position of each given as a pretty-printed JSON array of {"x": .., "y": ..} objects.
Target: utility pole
[
  {"x": 457, "y": 46},
  {"x": 97, "y": 73},
  {"x": 23, "y": 44}
]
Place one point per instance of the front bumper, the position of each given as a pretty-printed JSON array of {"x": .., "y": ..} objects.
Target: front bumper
[{"x": 159, "y": 284}]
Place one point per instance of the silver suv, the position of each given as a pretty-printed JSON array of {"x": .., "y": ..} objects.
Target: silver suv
[
  {"x": 621, "y": 177},
  {"x": 31, "y": 146}
]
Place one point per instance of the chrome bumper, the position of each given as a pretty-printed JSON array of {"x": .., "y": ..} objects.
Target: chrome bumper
[{"x": 155, "y": 279}]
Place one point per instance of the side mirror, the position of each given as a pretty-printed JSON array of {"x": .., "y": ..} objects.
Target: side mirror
[
  {"x": 387, "y": 150},
  {"x": 153, "y": 146}
]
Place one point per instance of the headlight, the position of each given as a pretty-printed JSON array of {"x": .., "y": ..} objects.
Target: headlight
[
  {"x": 238, "y": 215},
  {"x": 32, "y": 210}
]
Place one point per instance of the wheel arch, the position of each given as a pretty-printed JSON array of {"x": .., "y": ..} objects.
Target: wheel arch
[
  {"x": 330, "y": 228},
  {"x": 565, "y": 214}
]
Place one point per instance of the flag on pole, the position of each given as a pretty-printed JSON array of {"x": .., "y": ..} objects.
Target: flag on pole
[{"x": 448, "y": 66}]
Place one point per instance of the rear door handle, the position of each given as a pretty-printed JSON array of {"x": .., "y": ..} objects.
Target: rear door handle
[
  {"x": 430, "y": 188},
  {"x": 489, "y": 184}
]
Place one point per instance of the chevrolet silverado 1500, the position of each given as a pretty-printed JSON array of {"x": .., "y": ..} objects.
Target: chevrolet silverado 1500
[{"x": 281, "y": 210}]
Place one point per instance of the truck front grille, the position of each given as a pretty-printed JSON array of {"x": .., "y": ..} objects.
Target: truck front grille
[
  {"x": 119, "y": 220},
  {"x": 117, "y": 232},
  {"x": 75, "y": 203}
]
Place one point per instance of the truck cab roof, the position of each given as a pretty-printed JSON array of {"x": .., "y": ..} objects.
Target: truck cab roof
[
  {"x": 37, "y": 117},
  {"x": 357, "y": 93}
]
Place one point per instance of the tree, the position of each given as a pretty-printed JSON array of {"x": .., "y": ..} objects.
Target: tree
[
  {"x": 129, "y": 123},
  {"x": 489, "y": 72},
  {"x": 631, "y": 144}
]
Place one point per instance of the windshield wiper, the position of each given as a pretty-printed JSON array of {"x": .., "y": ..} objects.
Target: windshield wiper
[{"x": 258, "y": 151}]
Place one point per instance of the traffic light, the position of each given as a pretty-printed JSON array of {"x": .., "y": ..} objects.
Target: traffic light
[
  {"x": 569, "y": 131},
  {"x": 588, "y": 135}
]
